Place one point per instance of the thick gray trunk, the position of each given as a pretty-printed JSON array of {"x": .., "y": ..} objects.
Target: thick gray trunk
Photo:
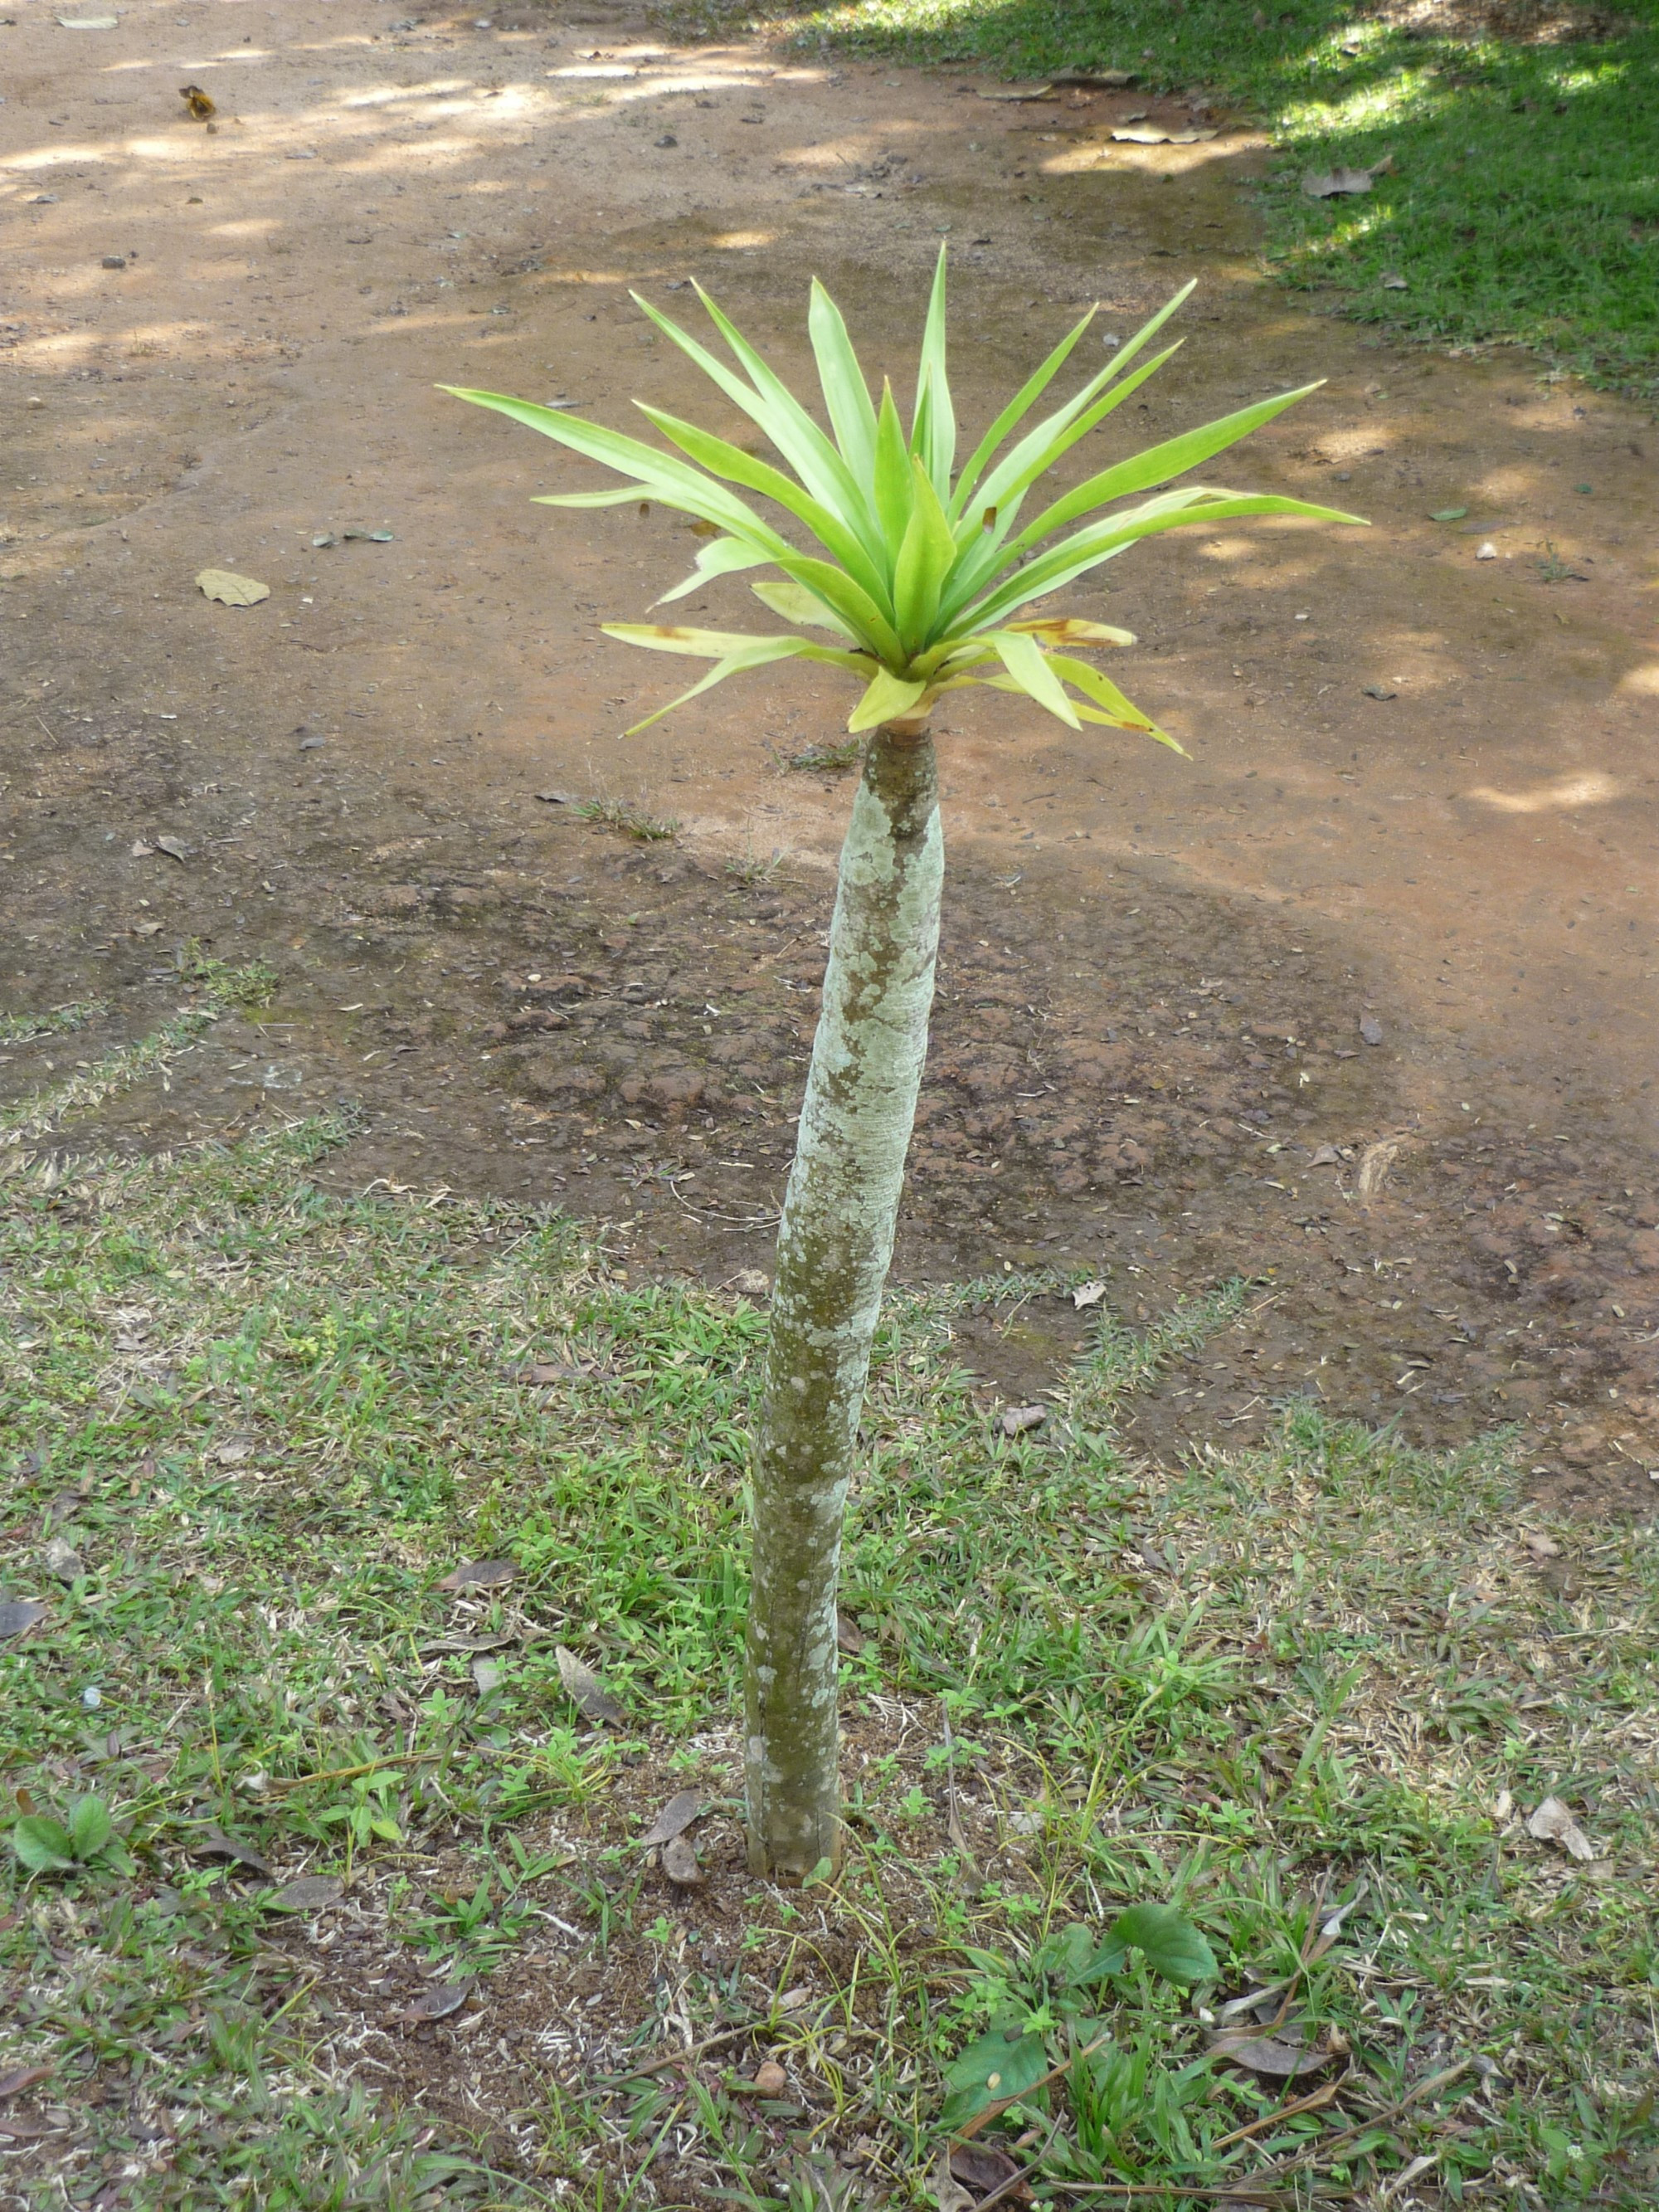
[{"x": 834, "y": 1250}]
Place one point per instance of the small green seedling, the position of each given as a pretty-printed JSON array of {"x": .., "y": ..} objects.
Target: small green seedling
[{"x": 86, "y": 1839}]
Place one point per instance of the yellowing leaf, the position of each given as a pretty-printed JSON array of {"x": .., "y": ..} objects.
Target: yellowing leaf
[
  {"x": 1072, "y": 629},
  {"x": 888, "y": 697},
  {"x": 231, "y": 590}
]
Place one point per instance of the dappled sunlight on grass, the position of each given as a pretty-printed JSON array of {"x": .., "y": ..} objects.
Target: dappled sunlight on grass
[{"x": 1522, "y": 203}]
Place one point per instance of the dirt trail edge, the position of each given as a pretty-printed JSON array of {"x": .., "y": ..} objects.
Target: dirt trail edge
[{"x": 1357, "y": 1002}]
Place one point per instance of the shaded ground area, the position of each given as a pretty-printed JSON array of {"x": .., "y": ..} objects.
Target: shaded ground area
[{"x": 1419, "y": 810}]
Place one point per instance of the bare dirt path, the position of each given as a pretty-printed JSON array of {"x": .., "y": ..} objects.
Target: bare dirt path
[{"x": 1402, "y": 895}]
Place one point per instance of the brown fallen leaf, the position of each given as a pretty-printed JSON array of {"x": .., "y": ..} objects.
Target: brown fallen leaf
[
  {"x": 19, "y": 1615},
  {"x": 946, "y": 2191},
  {"x": 1018, "y": 1420},
  {"x": 175, "y": 847},
  {"x": 1265, "y": 2054},
  {"x": 679, "y": 1863},
  {"x": 982, "y": 2169},
  {"x": 22, "y": 2078},
  {"x": 1326, "y": 1157},
  {"x": 308, "y": 1892},
  {"x": 231, "y": 590},
  {"x": 540, "y": 1373},
  {"x": 849, "y": 1637},
  {"x": 1016, "y": 92},
  {"x": 437, "y": 2003},
  {"x": 479, "y": 1574},
  {"x": 1552, "y": 1823},
  {"x": 582, "y": 1686},
  {"x": 215, "y": 1844},
  {"x": 676, "y": 1816},
  {"x": 61, "y": 1558},
  {"x": 1108, "y": 80}
]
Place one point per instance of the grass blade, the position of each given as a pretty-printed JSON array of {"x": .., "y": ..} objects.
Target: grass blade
[
  {"x": 1015, "y": 412},
  {"x": 798, "y": 603},
  {"x": 933, "y": 422},
  {"x": 846, "y": 394},
  {"x": 1026, "y": 663},
  {"x": 1076, "y": 556},
  {"x": 895, "y": 489},
  {"x": 721, "y": 459},
  {"x": 1158, "y": 463},
  {"x": 662, "y": 476},
  {"x": 724, "y": 556},
  {"x": 925, "y": 560},
  {"x": 796, "y": 435}
]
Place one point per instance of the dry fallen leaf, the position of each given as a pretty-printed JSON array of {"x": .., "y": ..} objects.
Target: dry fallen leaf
[
  {"x": 437, "y": 2004},
  {"x": 770, "y": 2079},
  {"x": 231, "y": 590},
  {"x": 849, "y": 1636},
  {"x": 488, "y": 1674},
  {"x": 215, "y": 1844},
  {"x": 982, "y": 2169},
  {"x": 947, "y": 2192},
  {"x": 1326, "y": 1157},
  {"x": 1086, "y": 1295},
  {"x": 1553, "y": 1823},
  {"x": 583, "y": 1688},
  {"x": 479, "y": 1574},
  {"x": 63, "y": 1560},
  {"x": 679, "y": 1863},
  {"x": 22, "y": 2078},
  {"x": 308, "y": 1892},
  {"x": 676, "y": 1816},
  {"x": 175, "y": 847},
  {"x": 1265, "y": 2054},
  {"x": 1018, "y": 1420},
  {"x": 19, "y": 1615},
  {"x": 1393, "y": 284},
  {"x": 1371, "y": 1029},
  {"x": 1016, "y": 92}
]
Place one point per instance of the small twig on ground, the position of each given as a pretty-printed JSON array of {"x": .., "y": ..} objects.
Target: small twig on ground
[{"x": 692, "y": 2049}]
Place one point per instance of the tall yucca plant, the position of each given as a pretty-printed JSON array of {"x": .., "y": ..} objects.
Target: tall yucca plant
[{"x": 919, "y": 573}]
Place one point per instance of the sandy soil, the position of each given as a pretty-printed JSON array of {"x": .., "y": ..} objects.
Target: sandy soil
[{"x": 219, "y": 348}]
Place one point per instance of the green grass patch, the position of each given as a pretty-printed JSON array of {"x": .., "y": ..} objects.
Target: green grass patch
[
  {"x": 247, "y": 1429},
  {"x": 1523, "y": 202}
]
